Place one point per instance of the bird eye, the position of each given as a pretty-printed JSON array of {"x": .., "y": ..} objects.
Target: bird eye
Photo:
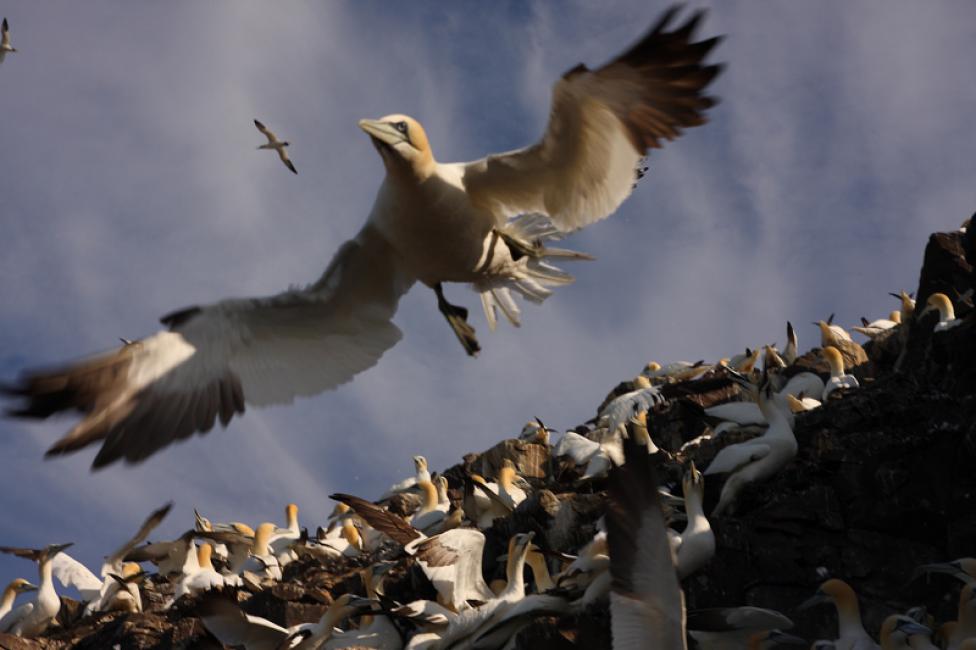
[{"x": 401, "y": 127}]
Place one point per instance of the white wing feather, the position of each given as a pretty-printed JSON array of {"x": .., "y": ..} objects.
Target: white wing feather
[{"x": 733, "y": 457}]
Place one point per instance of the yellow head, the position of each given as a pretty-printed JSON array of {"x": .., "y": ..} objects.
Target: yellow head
[
  {"x": 402, "y": 144},
  {"x": 641, "y": 382},
  {"x": 243, "y": 529},
  {"x": 835, "y": 360},
  {"x": 826, "y": 336},
  {"x": 941, "y": 302},
  {"x": 261, "y": 537},
  {"x": 841, "y": 593},
  {"x": 19, "y": 586},
  {"x": 747, "y": 364},
  {"x": 693, "y": 481},
  {"x": 507, "y": 472},
  {"x": 291, "y": 515},
  {"x": 204, "y": 553},
  {"x": 652, "y": 366},
  {"x": 895, "y": 316}
]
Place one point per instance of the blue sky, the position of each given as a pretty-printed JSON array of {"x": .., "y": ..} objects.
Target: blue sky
[{"x": 130, "y": 186}]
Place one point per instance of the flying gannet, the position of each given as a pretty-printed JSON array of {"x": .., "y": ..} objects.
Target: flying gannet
[
  {"x": 483, "y": 222},
  {"x": 276, "y": 144},
  {"x": 5, "y": 45}
]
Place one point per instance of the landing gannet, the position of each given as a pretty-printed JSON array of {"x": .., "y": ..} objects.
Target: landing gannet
[
  {"x": 276, "y": 144},
  {"x": 947, "y": 315},
  {"x": 850, "y": 631},
  {"x": 33, "y": 617},
  {"x": 432, "y": 222},
  {"x": 17, "y": 586},
  {"x": 5, "y": 41},
  {"x": 758, "y": 458},
  {"x": 647, "y": 607},
  {"x": 838, "y": 379}
]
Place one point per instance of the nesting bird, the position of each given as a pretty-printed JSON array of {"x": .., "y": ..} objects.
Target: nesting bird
[
  {"x": 947, "y": 315},
  {"x": 486, "y": 222}
]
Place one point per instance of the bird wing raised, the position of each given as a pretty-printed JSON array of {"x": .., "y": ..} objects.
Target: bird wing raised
[
  {"x": 215, "y": 359},
  {"x": 600, "y": 124},
  {"x": 113, "y": 561},
  {"x": 225, "y": 620},
  {"x": 452, "y": 563},
  {"x": 72, "y": 573},
  {"x": 646, "y": 602},
  {"x": 733, "y": 457},
  {"x": 393, "y": 525}
]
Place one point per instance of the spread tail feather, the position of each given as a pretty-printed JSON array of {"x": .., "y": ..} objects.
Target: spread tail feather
[{"x": 530, "y": 273}]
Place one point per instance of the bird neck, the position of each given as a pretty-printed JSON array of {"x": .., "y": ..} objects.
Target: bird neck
[
  {"x": 848, "y": 616},
  {"x": 7, "y": 600},
  {"x": 430, "y": 496},
  {"x": 540, "y": 571},
  {"x": 513, "y": 572},
  {"x": 46, "y": 588},
  {"x": 694, "y": 510}
]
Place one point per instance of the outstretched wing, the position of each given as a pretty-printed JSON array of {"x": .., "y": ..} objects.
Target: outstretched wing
[
  {"x": 268, "y": 133},
  {"x": 601, "y": 123},
  {"x": 216, "y": 359},
  {"x": 72, "y": 573}
]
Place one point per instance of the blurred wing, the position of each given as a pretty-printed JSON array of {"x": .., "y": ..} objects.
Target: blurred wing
[
  {"x": 600, "y": 124},
  {"x": 266, "y": 131},
  {"x": 733, "y": 457},
  {"x": 147, "y": 527},
  {"x": 646, "y": 602},
  {"x": 225, "y": 620},
  {"x": 393, "y": 525},
  {"x": 72, "y": 573},
  {"x": 284, "y": 158},
  {"x": 217, "y": 358}
]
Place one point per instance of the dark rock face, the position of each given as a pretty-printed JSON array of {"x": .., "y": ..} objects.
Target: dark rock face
[{"x": 883, "y": 481}]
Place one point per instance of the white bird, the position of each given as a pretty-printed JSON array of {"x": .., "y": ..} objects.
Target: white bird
[
  {"x": 261, "y": 561},
  {"x": 850, "y": 630},
  {"x": 281, "y": 540},
  {"x": 896, "y": 630},
  {"x": 697, "y": 541},
  {"x": 16, "y": 586},
  {"x": 838, "y": 379},
  {"x": 790, "y": 352},
  {"x": 34, "y": 616},
  {"x": 584, "y": 451},
  {"x": 375, "y": 631},
  {"x": 232, "y": 627},
  {"x": 421, "y": 474},
  {"x": 432, "y": 222},
  {"x": 99, "y": 592},
  {"x": 758, "y": 458},
  {"x": 880, "y": 326},
  {"x": 276, "y": 144},
  {"x": 199, "y": 574},
  {"x": 430, "y": 513},
  {"x": 620, "y": 409},
  {"x": 647, "y": 607},
  {"x": 5, "y": 45},
  {"x": 947, "y": 315}
]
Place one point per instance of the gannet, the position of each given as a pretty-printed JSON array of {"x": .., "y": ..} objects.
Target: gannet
[
  {"x": 261, "y": 561},
  {"x": 850, "y": 631},
  {"x": 879, "y": 326},
  {"x": 838, "y": 379},
  {"x": 620, "y": 409},
  {"x": 647, "y": 607},
  {"x": 429, "y": 514},
  {"x": 124, "y": 595},
  {"x": 497, "y": 499},
  {"x": 376, "y": 631},
  {"x": 836, "y": 336},
  {"x": 34, "y": 616},
  {"x": 466, "y": 628},
  {"x": 675, "y": 371},
  {"x": 432, "y": 222},
  {"x": 966, "y": 619},
  {"x": 772, "y": 359},
  {"x": 98, "y": 592},
  {"x": 16, "y": 586},
  {"x": 420, "y": 474},
  {"x": 584, "y": 451},
  {"x": 732, "y": 628},
  {"x": 758, "y": 458},
  {"x": 5, "y": 41},
  {"x": 450, "y": 560},
  {"x": 896, "y": 629},
  {"x": 947, "y": 316},
  {"x": 199, "y": 574},
  {"x": 225, "y": 620},
  {"x": 790, "y": 352},
  {"x": 281, "y": 540},
  {"x": 803, "y": 383},
  {"x": 276, "y": 144},
  {"x": 907, "y": 305},
  {"x": 963, "y": 569},
  {"x": 697, "y": 539}
]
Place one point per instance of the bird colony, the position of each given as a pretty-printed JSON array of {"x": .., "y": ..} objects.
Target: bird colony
[{"x": 621, "y": 532}]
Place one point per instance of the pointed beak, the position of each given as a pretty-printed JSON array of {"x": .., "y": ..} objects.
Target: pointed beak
[
  {"x": 381, "y": 132},
  {"x": 909, "y": 627},
  {"x": 945, "y": 567},
  {"x": 814, "y": 600},
  {"x": 54, "y": 549},
  {"x": 29, "y": 587},
  {"x": 782, "y": 638}
]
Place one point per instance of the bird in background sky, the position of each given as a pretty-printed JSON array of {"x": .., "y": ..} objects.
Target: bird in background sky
[
  {"x": 484, "y": 222},
  {"x": 5, "y": 45},
  {"x": 276, "y": 144}
]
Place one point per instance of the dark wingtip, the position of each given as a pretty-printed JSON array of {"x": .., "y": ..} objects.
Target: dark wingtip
[{"x": 258, "y": 124}]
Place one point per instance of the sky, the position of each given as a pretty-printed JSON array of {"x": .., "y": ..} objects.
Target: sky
[{"x": 130, "y": 186}]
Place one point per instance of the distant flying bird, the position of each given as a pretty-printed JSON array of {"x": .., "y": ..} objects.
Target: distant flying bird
[
  {"x": 432, "y": 222},
  {"x": 5, "y": 45},
  {"x": 276, "y": 144}
]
